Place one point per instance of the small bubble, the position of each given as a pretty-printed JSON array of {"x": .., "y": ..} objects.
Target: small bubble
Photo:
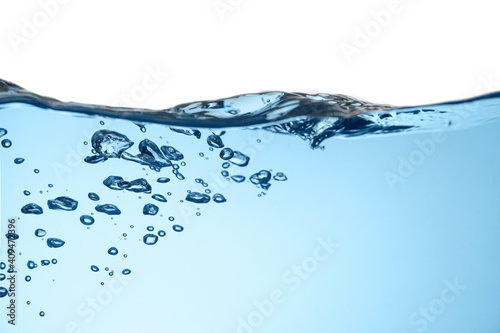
[
  {"x": 94, "y": 268},
  {"x": 124, "y": 234},
  {"x": 111, "y": 273},
  {"x": 106, "y": 269},
  {"x": 85, "y": 143},
  {"x": 258, "y": 141},
  {"x": 42, "y": 313},
  {"x": 131, "y": 226},
  {"x": 55, "y": 242},
  {"x": 198, "y": 213},
  {"x": 169, "y": 193},
  {"x": 150, "y": 228},
  {"x": 40, "y": 232},
  {"x": 178, "y": 228},
  {"x": 211, "y": 148},
  {"x": 2, "y": 265},
  {"x": 45, "y": 262},
  {"x": 54, "y": 261},
  {"x": 226, "y": 165},
  {"x": 102, "y": 283},
  {"x": 226, "y": 154},
  {"x": 224, "y": 173},
  {"x": 207, "y": 191},
  {"x": 36, "y": 171},
  {"x": 93, "y": 196},
  {"x": 27, "y": 193},
  {"x": 161, "y": 233},
  {"x": 150, "y": 239},
  {"x": 171, "y": 218},
  {"x": 50, "y": 185},
  {"x": 113, "y": 251},
  {"x": 28, "y": 302},
  {"x": 2, "y": 277},
  {"x": 27, "y": 278},
  {"x": 125, "y": 256},
  {"x": 201, "y": 154},
  {"x": 183, "y": 163},
  {"x": 101, "y": 122},
  {"x": 126, "y": 271},
  {"x": 219, "y": 198},
  {"x": 87, "y": 220},
  {"x": 19, "y": 160},
  {"x": 6, "y": 143}
]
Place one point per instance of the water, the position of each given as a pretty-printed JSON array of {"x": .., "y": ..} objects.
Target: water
[{"x": 271, "y": 212}]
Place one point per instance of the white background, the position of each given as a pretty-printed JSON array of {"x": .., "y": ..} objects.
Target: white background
[{"x": 96, "y": 51}]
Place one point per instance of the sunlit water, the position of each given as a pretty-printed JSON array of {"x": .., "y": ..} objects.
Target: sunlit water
[{"x": 270, "y": 212}]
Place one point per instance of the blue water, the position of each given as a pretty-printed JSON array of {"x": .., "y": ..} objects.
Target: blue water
[{"x": 269, "y": 212}]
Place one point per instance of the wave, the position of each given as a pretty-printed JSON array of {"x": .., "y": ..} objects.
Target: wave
[{"x": 312, "y": 117}]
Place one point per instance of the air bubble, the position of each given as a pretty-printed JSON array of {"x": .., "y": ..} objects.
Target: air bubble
[
  {"x": 238, "y": 178},
  {"x": 40, "y": 232},
  {"x": 113, "y": 251},
  {"x": 87, "y": 220},
  {"x": 163, "y": 180},
  {"x": 94, "y": 196},
  {"x": 280, "y": 176},
  {"x": 32, "y": 208},
  {"x": 150, "y": 209},
  {"x": 6, "y": 143},
  {"x": 150, "y": 239},
  {"x": 108, "y": 209},
  {"x": 159, "y": 197},
  {"x": 177, "y": 228},
  {"x": 55, "y": 242},
  {"x": 219, "y": 198},
  {"x": 197, "y": 197},
  {"x": 62, "y": 203}
]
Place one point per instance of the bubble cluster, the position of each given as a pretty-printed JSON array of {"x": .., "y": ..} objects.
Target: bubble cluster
[{"x": 107, "y": 144}]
